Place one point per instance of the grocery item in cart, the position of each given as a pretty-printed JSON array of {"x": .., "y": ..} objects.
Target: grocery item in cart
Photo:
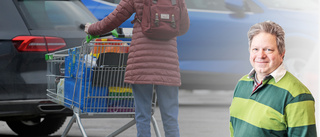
[
  {"x": 76, "y": 68},
  {"x": 83, "y": 95},
  {"x": 71, "y": 61},
  {"x": 113, "y": 76},
  {"x": 60, "y": 91},
  {"x": 78, "y": 88},
  {"x": 120, "y": 99},
  {"x": 108, "y": 48}
]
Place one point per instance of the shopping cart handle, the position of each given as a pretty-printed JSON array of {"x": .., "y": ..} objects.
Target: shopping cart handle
[
  {"x": 48, "y": 57},
  {"x": 117, "y": 33},
  {"x": 90, "y": 37},
  {"x": 113, "y": 32}
]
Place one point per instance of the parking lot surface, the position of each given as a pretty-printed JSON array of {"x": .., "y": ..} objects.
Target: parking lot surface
[{"x": 202, "y": 114}]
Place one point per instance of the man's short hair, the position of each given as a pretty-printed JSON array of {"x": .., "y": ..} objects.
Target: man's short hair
[{"x": 269, "y": 27}]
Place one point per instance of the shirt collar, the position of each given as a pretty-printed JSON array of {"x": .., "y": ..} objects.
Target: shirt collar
[{"x": 276, "y": 74}]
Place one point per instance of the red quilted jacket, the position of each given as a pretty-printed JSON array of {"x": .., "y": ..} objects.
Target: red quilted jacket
[{"x": 149, "y": 61}]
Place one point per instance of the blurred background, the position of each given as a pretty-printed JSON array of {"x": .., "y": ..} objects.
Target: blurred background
[
  {"x": 213, "y": 56},
  {"x": 214, "y": 52}
]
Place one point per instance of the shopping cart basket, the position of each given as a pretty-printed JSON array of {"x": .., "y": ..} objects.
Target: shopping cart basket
[{"x": 89, "y": 80}]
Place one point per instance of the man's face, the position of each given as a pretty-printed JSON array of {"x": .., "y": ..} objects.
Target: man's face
[{"x": 264, "y": 54}]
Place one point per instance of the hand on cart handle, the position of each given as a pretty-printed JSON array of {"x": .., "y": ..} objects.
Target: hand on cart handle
[
  {"x": 85, "y": 27},
  {"x": 118, "y": 32}
]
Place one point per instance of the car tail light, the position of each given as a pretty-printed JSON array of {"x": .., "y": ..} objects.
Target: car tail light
[{"x": 38, "y": 43}]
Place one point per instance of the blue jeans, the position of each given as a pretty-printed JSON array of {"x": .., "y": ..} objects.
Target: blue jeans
[{"x": 169, "y": 108}]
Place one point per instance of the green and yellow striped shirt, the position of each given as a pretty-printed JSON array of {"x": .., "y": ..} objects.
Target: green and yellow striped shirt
[{"x": 277, "y": 109}]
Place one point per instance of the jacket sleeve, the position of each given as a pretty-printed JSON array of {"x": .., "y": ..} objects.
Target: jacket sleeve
[
  {"x": 185, "y": 21},
  {"x": 122, "y": 12},
  {"x": 300, "y": 116}
]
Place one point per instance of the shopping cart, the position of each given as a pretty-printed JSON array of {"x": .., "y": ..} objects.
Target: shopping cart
[{"x": 89, "y": 80}]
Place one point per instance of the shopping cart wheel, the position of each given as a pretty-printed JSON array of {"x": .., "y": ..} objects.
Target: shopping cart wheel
[{"x": 39, "y": 126}]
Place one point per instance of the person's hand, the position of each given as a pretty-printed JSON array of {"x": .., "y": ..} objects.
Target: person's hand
[{"x": 87, "y": 27}]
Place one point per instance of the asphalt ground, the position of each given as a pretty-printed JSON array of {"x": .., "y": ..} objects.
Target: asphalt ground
[{"x": 202, "y": 114}]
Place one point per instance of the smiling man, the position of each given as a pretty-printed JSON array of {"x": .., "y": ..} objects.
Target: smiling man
[{"x": 270, "y": 101}]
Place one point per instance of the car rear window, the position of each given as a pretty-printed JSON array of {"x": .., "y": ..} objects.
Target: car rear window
[{"x": 55, "y": 15}]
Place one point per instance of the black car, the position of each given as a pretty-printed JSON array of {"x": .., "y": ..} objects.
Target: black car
[{"x": 28, "y": 30}]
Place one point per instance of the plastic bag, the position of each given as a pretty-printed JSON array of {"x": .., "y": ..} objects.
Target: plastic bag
[{"x": 90, "y": 61}]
